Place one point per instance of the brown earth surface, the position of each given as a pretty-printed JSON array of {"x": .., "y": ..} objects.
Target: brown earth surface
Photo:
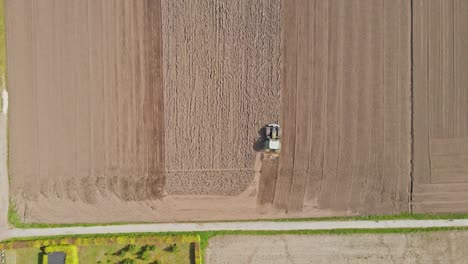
[
  {"x": 433, "y": 247},
  {"x": 86, "y": 118},
  {"x": 440, "y": 106},
  {"x": 221, "y": 74},
  {"x": 150, "y": 110},
  {"x": 95, "y": 129},
  {"x": 345, "y": 107}
]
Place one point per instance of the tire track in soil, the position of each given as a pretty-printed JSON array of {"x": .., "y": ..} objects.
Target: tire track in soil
[
  {"x": 221, "y": 68},
  {"x": 266, "y": 186}
]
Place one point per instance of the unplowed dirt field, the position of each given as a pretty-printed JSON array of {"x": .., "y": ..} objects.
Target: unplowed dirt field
[
  {"x": 150, "y": 110},
  {"x": 431, "y": 247}
]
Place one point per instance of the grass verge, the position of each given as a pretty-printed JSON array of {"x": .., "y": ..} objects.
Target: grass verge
[{"x": 204, "y": 237}]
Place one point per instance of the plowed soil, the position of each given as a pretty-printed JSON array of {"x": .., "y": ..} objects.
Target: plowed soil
[
  {"x": 221, "y": 74},
  {"x": 440, "y": 106},
  {"x": 95, "y": 129},
  {"x": 150, "y": 110},
  {"x": 345, "y": 107},
  {"x": 86, "y": 102}
]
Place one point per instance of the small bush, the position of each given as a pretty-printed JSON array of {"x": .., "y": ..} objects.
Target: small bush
[
  {"x": 127, "y": 261},
  {"x": 172, "y": 248},
  {"x": 144, "y": 255},
  {"x": 131, "y": 247},
  {"x": 143, "y": 248},
  {"x": 126, "y": 249},
  {"x": 151, "y": 247}
]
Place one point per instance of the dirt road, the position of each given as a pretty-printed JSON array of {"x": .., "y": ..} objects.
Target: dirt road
[
  {"x": 4, "y": 186},
  {"x": 434, "y": 247},
  {"x": 237, "y": 226}
]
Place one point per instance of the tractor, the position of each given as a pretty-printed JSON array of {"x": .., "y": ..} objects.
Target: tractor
[{"x": 272, "y": 141}]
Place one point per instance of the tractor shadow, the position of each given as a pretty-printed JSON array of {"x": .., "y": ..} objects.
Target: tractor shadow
[{"x": 259, "y": 144}]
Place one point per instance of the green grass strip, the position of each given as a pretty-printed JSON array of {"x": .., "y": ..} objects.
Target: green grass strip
[{"x": 206, "y": 236}]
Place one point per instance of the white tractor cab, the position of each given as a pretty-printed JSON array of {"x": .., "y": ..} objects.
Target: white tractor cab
[{"x": 273, "y": 135}]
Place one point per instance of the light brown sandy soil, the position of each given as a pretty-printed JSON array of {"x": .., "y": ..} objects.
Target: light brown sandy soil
[
  {"x": 86, "y": 119},
  {"x": 171, "y": 208},
  {"x": 345, "y": 107},
  {"x": 267, "y": 181},
  {"x": 221, "y": 74},
  {"x": 88, "y": 132},
  {"x": 440, "y": 106},
  {"x": 434, "y": 247},
  {"x": 148, "y": 110}
]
